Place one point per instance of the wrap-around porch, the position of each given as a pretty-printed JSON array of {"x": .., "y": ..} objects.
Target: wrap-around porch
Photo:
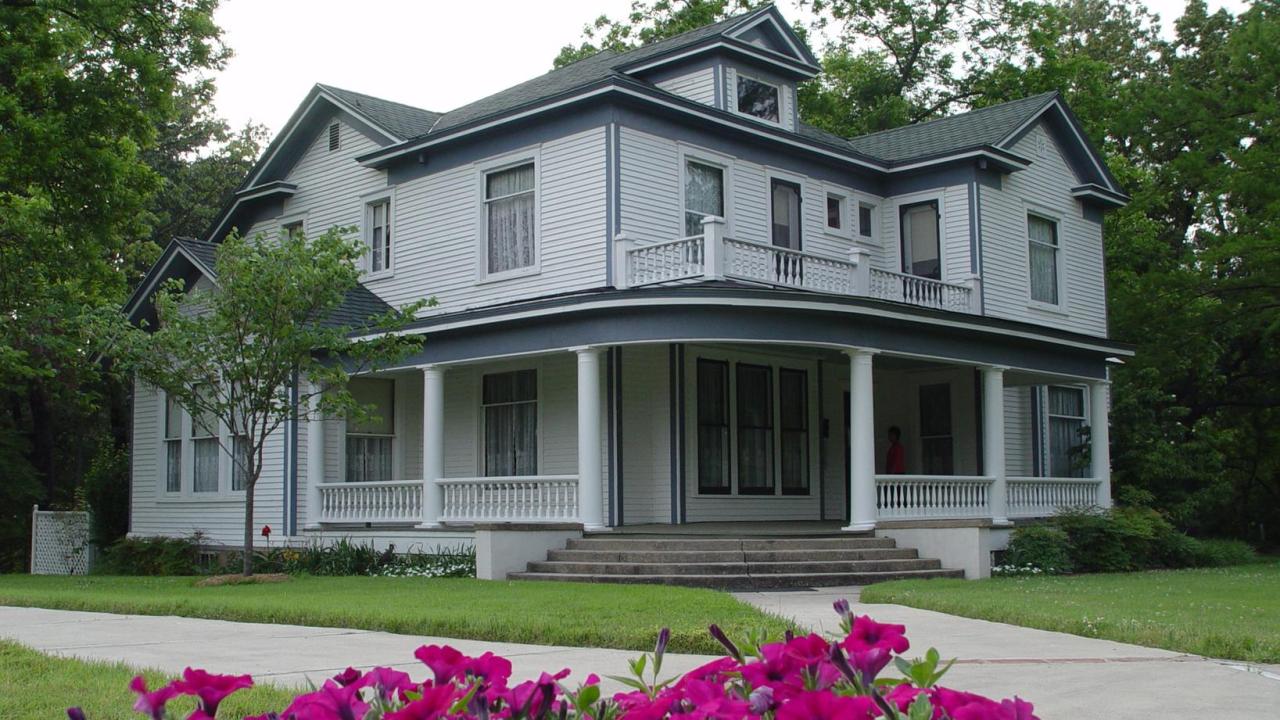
[{"x": 688, "y": 433}]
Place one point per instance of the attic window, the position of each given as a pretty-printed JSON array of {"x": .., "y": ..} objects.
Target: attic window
[
  {"x": 335, "y": 138},
  {"x": 757, "y": 99}
]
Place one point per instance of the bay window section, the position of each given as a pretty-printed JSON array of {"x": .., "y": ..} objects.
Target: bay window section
[
  {"x": 370, "y": 440},
  {"x": 793, "y": 411},
  {"x": 1042, "y": 249},
  {"x": 703, "y": 195},
  {"x": 755, "y": 429},
  {"x": 172, "y": 445},
  {"x": 510, "y": 219},
  {"x": 713, "y": 427},
  {"x": 510, "y": 408},
  {"x": 1066, "y": 422}
]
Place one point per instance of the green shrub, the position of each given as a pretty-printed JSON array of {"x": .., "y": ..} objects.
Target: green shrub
[
  {"x": 1095, "y": 541},
  {"x": 151, "y": 556},
  {"x": 1220, "y": 553},
  {"x": 1041, "y": 547},
  {"x": 106, "y": 488}
]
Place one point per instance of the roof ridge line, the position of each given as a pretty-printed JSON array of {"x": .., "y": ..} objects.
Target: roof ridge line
[{"x": 1050, "y": 93}]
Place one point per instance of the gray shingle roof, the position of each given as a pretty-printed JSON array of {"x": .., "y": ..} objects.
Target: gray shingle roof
[
  {"x": 403, "y": 121},
  {"x": 984, "y": 126},
  {"x": 357, "y": 307}
]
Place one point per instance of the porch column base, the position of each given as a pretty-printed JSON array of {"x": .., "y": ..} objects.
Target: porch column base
[
  {"x": 428, "y": 526},
  {"x": 859, "y": 527}
]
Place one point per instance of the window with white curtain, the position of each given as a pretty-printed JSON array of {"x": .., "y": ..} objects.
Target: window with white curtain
[
  {"x": 204, "y": 448},
  {"x": 921, "y": 252},
  {"x": 1042, "y": 249},
  {"x": 703, "y": 194},
  {"x": 1065, "y": 413},
  {"x": 172, "y": 445},
  {"x": 510, "y": 219},
  {"x": 370, "y": 442},
  {"x": 378, "y": 235},
  {"x": 239, "y": 474},
  {"x": 510, "y": 407}
]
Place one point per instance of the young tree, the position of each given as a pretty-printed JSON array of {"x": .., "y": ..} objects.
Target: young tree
[{"x": 266, "y": 340}]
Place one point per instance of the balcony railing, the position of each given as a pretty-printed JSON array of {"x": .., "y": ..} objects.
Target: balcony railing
[
  {"x": 371, "y": 502},
  {"x": 543, "y": 498},
  {"x": 712, "y": 256},
  {"x": 915, "y": 497},
  {"x": 1041, "y": 497}
]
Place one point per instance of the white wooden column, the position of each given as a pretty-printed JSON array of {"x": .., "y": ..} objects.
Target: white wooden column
[
  {"x": 993, "y": 441},
  {"x": 590, "y": 477},
  {"x": 432, "y": 445},
  {"x": 862, "y": 442},
  {"x": 1100, "y": 440},
  {"x": 315, "y": 459}
]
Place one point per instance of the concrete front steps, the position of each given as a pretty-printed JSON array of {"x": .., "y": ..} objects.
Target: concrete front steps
[{"x": 734, "y": 563}]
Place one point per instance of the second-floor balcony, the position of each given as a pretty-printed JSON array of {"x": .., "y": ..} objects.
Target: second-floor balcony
[{"x": 715, "y": 256}]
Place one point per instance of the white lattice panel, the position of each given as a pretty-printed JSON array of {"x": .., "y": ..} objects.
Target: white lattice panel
[{"x": 59, "y": 543}]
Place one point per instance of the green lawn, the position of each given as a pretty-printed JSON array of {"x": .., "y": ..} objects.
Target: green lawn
[
  {"x": 612, "y": 616},
  {"x": 34, "y": 685},
  {"x": 1231, "y": 612}
]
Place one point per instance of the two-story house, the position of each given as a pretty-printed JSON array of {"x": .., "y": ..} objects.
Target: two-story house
[{"x": 665, "y": 300}]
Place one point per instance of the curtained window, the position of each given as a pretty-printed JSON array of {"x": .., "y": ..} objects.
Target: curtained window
[
  {"x": 1066, "y": 421},
  {"x": 510, "y": 404},
  {"x": 713, "y": 427},
  {"x": 920, "y": 242},
  {"x": 793, "y": 420},
  {"x": 204, "y": 448},
  {"x": 755, "y": 429},
  {"x": 370, "y": 442},
  {"x": 239, "y": 475},
  {"x": 378, "y": 223},
  {"x": 510, "y": 218},
  {"x": 785, "y": 213},
  {"x": 936, "y": 443},
  {"x": 1042, "y": 249},
  {"x": 757, "y": 99},
  {"x": 172, "y": 445},
  {"x": 703, "y": 195},
  {"x": 864, "y": 220}
]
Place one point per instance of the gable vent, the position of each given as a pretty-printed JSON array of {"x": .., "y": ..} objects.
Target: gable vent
[{"x": 335, "y": 139}]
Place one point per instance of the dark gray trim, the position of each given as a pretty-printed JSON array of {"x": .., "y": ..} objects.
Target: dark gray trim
[
  {"x": 275, "y": 186},
  {"x": 618, "y": 432},
  {"x": 610, "y": 198},
  {"x": 672, "y": 393},
  {"x": 718, "y": 75},
  {"x": 1037, "y": 462},
  {"x": 680, "y": 459},
  {"x": 979, "y": 410},
  {"x": 823, "y": 437},
  {"x": 611, "y": 437},
  {"x": 972, "y": 196},
  {"x": 291, "y": 479},
  {"x": 1092, "y": 213},
  {"x": 1080, "y": 156}
]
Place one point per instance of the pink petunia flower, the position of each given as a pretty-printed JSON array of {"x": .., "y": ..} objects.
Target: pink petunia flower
[
  {"x": 867, "y": 634},
  {"x": 330, "y": 702},
  {"x": 826, "y": 705},
  {"x": 210, "y": 689},
  {"x": 151, "y": 702},
  {"x": 387, "y": 682},
  {"x": 434, "y": 703},
  {"x": 445, "y": 662}
]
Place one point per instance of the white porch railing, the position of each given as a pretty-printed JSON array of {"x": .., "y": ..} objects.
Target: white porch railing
[
  {"x": 712, "y": 256},
  {"x": 914, "y": 497},
  {"x": 916, "y": 290},
  {"x": 543, "y": 498},
  {"x": 371, "y": 502},
  {"x": 1042, "y": 497}
]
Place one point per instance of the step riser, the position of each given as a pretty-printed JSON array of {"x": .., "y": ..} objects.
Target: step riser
[
  {"x": 738, "y": 568},
  {"x": 743, "y": 582},
  {"x": 720, "y": 556},
  {"x": 755, "y": 545}
]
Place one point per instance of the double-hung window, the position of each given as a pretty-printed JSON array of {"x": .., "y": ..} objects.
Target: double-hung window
[
  {"x": 921, "y": 254},
  {"x": 713, "y": 427},
  {"x": 240, "y": 466},
  {"x": 370, "y": 441},
  {"x": 866, "y": 214},
  {"x": 204, "y": 448},
  {"x": 172, "y": 445},
  {"x": 510, "y": 212},
  {"x": 378, "y": 235},
  {"x": 703, "y": 194},
  {"x": 784, "y": 213},
  {"x": 510, "y": 405},
  {"x": 937, "y": 453},
  {"x": 755, "y": 429},
  {"x": 793, "y": 418},
  {"x": 1066, "y": 421},
  {"x": 1042, "y": 250}
]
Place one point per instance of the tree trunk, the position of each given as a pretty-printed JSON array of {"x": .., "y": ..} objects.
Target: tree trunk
[{"x": 247, "y": 570}]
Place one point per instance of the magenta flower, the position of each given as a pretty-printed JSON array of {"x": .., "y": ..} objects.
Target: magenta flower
[
  {"x": 826, "y": 705},
  {"x": 492, "y": 669},
  {"x": 151, "y": 702},
  {"x": 387, "y": 682},
  {"x": 330, "y": 702},
  {"x": 75, "y": 713},
  {"x": 445, "y": 662},
  {"x": 710, "y": 701},
  {"x": 867, "y": 634},
  {"x": 209, "y": 688},
  {"x": 434, "y": 703},
  {"x": 347, "y": 677},
  {"x": 901, "y": 696}
]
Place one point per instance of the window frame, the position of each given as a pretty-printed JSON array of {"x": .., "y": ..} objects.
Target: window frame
[
  {"x": 739, "y": 77},
  {"x": 296, "y": 220},
  {"x": 727, "y": 425},
  {"x": 895, "y": 207},
  {"x": 1059, "y": 266},
  {"x": 483, "y": 170},
  {"x": 181, "y": 440},
  {"x": 1045, "y": 420},
  {"x": 215, "y": 435},
  {"x": 775, "y": 177},
  {"x": 725, "y": 163},
  {"x": 482, "y": 416},
  {"x": 844, "y": 202},
  {"x": 367, "y": 202},
  {"x": 872, "y": 238},
  {"x": 393, "y": 436},
  {"x": 921, "y": 389}
]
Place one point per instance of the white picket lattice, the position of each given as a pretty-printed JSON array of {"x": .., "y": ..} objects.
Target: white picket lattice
[{"x": 59, "y": 542}]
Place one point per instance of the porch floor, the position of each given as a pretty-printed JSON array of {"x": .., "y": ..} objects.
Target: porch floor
[{"x": 744, "y": 529}]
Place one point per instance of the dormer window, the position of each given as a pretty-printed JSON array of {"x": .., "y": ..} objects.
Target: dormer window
[{"x": 758, "y": 99}]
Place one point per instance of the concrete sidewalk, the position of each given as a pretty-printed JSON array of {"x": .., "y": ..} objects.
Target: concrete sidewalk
[{"x": 1067, "y": 677}]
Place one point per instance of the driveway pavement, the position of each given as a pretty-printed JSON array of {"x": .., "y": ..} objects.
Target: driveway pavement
[{"x": 1067, "y": 677}]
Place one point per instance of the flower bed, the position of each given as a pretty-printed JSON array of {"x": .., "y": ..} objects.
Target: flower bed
[{"x": 798, "y": 678}]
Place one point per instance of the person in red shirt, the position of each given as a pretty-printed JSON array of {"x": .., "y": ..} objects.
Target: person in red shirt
[{"x": 895, "y": 461}]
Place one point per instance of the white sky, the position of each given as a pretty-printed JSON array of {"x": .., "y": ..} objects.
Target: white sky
[{"x": 429, "y": 53}]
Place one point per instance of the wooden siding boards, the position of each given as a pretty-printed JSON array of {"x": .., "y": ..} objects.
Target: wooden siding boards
[
  {"x": 698, "y": 85},
  {"x": 1018, "y": 428},
  {"x": 646, "y": 438},
  {"x": 1045, "y": 187}
]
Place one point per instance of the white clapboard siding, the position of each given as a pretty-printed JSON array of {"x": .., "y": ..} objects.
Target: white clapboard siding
[
  {"x": 1044, "y": 187},
  {"x": 331, "y": 183},
  {"x": 1018, "y": 429},
  {"x": 646, "y": 434},
  {"x": 698, "y": 85},
  {"x": 953, "y": 203}
]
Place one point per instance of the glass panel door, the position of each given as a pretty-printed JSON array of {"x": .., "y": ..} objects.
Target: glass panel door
[{"x": 921, "y": 254}]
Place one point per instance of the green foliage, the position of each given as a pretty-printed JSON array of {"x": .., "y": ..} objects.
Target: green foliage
[
  {"x": 106, "y": 491},
  {"x": 1039, "y": 546},
  {"x": 647, "y": 22},
  {"x": 1222, "y": 553},
  {"x": 155, "y": 556},
  {"x": 19, "y": 491}
]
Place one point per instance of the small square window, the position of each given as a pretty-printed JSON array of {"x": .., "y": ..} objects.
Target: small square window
[
  {"x": 835, "y": 212},
  {"x": 864, "y": 220},
  {"x": 293, "y": 230},
  {"x": 757, "y": 99}
]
